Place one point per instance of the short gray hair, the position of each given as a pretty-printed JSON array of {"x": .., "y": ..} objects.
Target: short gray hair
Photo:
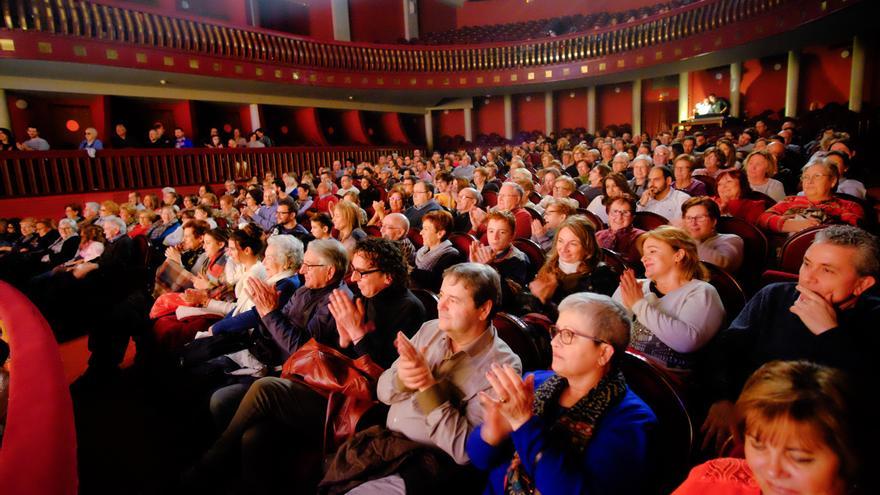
[
  {"x": 290, "y": 249},
  {"x": 644, "y": 158},
  {"x": 868, "y": 261},
  {"x": 95, "y": 207},
  {"x": 623, "y": 155},
  {"x": 476, "y": 194},
  {"x": 521, "y": 173},
  {"x": 515, "y": 186},
  {"x": 117, "y": 221},
  {"x": 829, "y": 166},
  {"x": 609, "y": 319},
  {"x": 333, "y": 253},
  {"x": 68, "y": 222}
]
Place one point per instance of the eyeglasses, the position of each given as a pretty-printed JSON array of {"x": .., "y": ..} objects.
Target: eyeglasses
[
  {"x": 279, "y": 212},
  {"x": 695, "y": 218},
  {"x": 566, "y": 335},
  {"x": 810, "y": 178},
  {"x": 619, "y": 213},
  {"x": 309, "y": 266},
  {"x": 363, "y": 273}
]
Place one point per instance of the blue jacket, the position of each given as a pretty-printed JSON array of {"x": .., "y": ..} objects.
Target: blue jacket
[
  {"x": 614, "y": 462},
  {"x": 246, "y": 320}
]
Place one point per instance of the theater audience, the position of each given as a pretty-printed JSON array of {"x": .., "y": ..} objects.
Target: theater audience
[
  {"x": 467, "y": 200},
  {"x": 510, "y": 198},
  {"x": 575, "y": 429},
  {"x": 437, "y": 252},
  {"x": 701, "y": 215},
  {"x": 797, "y": 423},
  {"x": 714, "y": 162},
  {"x": 641, "y": 165},
  {"x": 845, "y": 184},
  {"x": 732, "y": 185},
  {"x": 660, "y": 197},
  {"x": 423, "y": 203},
  {"x": 595, "y": 186},
  {"x": 683, "y": 168},
  {"x": 817, "y": 206},
  {"x": 510, "y": 263},
  {"x": 675, "y": 313},
  {"x": 182, "y": 262},
  {"x": 621, "y": 236},
  {"x": 395, "y": 227},
  {"x": 615, "y": 185}
]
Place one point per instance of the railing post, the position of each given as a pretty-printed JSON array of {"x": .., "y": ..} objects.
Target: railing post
[
  {"x": 591, "y": 110},
  {"x": 468, "y": 125},
  {"x": 508, "y": 117},
  {"x": 684, "y": 108},
  {"x": 637, "y": 107},
  {"x": 4, "y": 111},
  {"x": 429, "y": 131},
  {"x": 548, "y": 112},
  {"x": 735, "y": 81},
  {"x": 856, "y": 78},
  {"x": 791, "y": 83}
]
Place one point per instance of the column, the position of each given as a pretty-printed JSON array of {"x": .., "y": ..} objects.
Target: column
[
  {"x": 468, "y": 124},
  {"x": 429, "y": 131},
  {"x": 508, "y": 116},
  {"x": 255, "y": 116},
  {"x": 791, "y": 83},
  {"x": 410, "y": 19},
  {"x": 341, "y": 23},
  {"x": 548, "y": 112},
  {"x": 637, "y": 107},
  {"x": 857, "y": 74},
  {"x": 591, "y": 109},
  {"x": 5, "y": 121},
  {"x": 736, "y": 70},
  {"x": 684, "y": 107}
]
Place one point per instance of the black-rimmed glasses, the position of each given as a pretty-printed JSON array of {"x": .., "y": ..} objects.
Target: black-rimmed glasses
[
  {"x": 566, "y": 335},
  {"x": 363, "y": 273}
]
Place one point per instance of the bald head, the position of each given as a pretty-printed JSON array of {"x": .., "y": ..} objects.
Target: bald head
[{"x": 394, "y": 226}]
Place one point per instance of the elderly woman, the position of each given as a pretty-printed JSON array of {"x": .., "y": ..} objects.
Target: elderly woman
[
  {"x": 760, "y": 167},
  {"x": 166, "y": 227},
  {"x": 563, "y": 187},
  {"x": 714, "y": 161},
  {"x": 396, "y": 204},
  {"x": 675, "y": 312},
  {"x": 817, "y": 206},
  {"x": 244, "y": 248},
  {"x": 616, "y": 186},
  {"x": 641, "y": 165},
  {"x": 796, "y": 421},
  {"x": 683, "y": 168},
  {"x": 128, "y": 212},
  {"x": 574, "y": 265},
  {"x": 621, "y": 236},
  {"x": 700, "y": 216},
  {"x": 64, "y": 248},
  {"x": 576, "y": 429},
  {"x": 347, "y": 222},
  {"x": 437, "y": 252},
  {"x": 732, "y": 185},
  {"x": 146, "y": 221},
  {"x": 544, "y": 231},
  {"x": 620, "y": 163}
]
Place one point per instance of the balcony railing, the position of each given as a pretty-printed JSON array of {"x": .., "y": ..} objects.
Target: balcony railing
[
  {"x": 102, "y": 22},
  {"x": 36, "y": 173}
]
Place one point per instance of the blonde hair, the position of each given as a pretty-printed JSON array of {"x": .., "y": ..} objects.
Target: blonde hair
[
  {"x": 350, "y": 212},
  {"x": 678, "y": 239},
  {"x": 772, "y": 167},
  {"x": 585, "y": 231}
]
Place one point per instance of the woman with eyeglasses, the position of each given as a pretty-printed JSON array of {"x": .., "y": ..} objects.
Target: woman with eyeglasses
[
  {"x": 817, "y": 206},
  {"x": 575, "y": 429},
  {"x": 437, "y": 252},
  {"x": 700, "y": 216},
  {"x": 621, "y": 236},
  {"x": 675, "y": 312},
  {"x": 615, "y": 186}
]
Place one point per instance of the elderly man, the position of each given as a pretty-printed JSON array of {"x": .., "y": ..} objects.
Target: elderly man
[
  {"x": 464, "y": 168},
  {"x": 510, "y": 197},
  {"x": 423, "y": 202},
  {"x": 326, "y": 200},
  {"x": 660, "y": 197},
  {"x": 347, "y": 186},
  {"x": 662, "y": 154},
  {"x": 367, "y": 326},
  {"x": 432, "y": 389},
  {"x": 829, "y": 317},
  {"x": 395, "y": 227},
  {"x": 468, "y": 199},
  {"x": 91, "y": 140}
]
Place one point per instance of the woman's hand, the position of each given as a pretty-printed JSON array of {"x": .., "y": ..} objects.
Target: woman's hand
[
  {"x": 173, "y": 254},
  {"x": 495, "y": 427},
  {"x": 538, "y": 229},
  {"x": 195, "y": 297},
  {"x": 201, "y": 282},
  {"x": 265, "y": 297},
  {"x": 799, "y": 224},
  {"x": 543, "y": 287},
  {"x": 630, "y": 289},
  {"x": 515, "y": 395}
]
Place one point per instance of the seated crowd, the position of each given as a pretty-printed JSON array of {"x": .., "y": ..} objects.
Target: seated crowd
[{"x": 399, "y": 273}]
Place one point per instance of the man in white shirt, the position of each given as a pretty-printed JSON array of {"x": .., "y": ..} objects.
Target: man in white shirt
[
  {"x": 347, "y": 186},
  {"x": 660, "y": 197}
]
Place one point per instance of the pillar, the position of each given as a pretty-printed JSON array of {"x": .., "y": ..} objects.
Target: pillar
[
  {"x": 684, "y": 106},
  {"x": 410, "y": 19},
  {"x": 255, "y": 116},
  {"x": 429, "y": 131},
  {"x": 857, "y": 74},
  {"x": 341, "y": 23},
  {"x": 591, "y": 109},
  {"x": 548, "y": 112},
  {"x": 468, "y": 125},
  {"x": 508, "y": 116},
  {"x": 791, "y": 83},
  {"x": 736, "y": 70},
  {"x": 637, "y": 107},
  {"x": 5, "y": 121}
]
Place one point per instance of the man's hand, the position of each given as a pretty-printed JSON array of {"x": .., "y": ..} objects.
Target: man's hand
[
  {"x": 630, "y": 289},
  {"x": 718, "y": 425},
  {"x": 477, "y": 216},
  {"x": 816, "y": 312},
  {"x": 349, "y": 316},
  {"x": 538, "y": 229},
  {"x": 265, "y": 297},
  {"x": 646, "y": 196},
  {"x": 481, "y": 254},
  {"x": 412, "y": 367}
]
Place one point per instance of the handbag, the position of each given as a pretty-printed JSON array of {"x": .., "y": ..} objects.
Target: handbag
[{"x": 349, "y": 385}]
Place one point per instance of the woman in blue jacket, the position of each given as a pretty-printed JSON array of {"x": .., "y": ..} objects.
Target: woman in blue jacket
[{"x": 577, "y": 429}]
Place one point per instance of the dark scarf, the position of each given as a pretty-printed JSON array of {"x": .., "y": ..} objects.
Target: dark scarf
[{"x": 573, "y": 429}]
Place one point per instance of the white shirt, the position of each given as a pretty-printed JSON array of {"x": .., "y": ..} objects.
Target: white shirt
[
  {"x": 772, "y": 188},
  {"x": 724, "y": 250},
  {"x": 668, "y": 207}
]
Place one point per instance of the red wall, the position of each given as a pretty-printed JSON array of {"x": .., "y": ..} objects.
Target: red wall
[
  {"x": 354, "y": 127},
  {"x": 703, "y": 82},
  {"x": 824, "y": 77},
  {"x": 320, "y": 18},
  {"x": 488, "y": 115},
  {"x": 448, "y": 122},
  {"x": 613, "y": 107},
  {"x": 50, "y": 115},
  {"x": 230, "y": 11},
  {"x": 378, "y": 21},
  {"x": 763, "y": 86},
  {"x": 528, "y": 115},
  {"x": 436, "y": 16},
  {"x": 506, "y": 11},
  {"x": 568, "y": 112},
  {"x": 659, "y": 104}
]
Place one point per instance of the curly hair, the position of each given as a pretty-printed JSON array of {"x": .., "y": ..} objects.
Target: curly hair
[{"x": 387, "y": 257}]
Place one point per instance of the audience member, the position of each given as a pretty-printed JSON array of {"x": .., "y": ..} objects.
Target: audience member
[
  {"x": 683, "y": 168},
  {"x": 34, "y": 142},
  {"x": 760, "y": 167},
  {"x": 423, "y": 202},
  {"x": 660, "y": 197},
  {"x": 614, "y": 186},
  {"x": 91, "y": 140},
  {"x": 437, "y": 252},
  {"x": 544, "y": 229},
  {"x": 701, "y": 215}
]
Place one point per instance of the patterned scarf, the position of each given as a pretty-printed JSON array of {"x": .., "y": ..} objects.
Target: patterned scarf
[{"x": 573, "y": 429}]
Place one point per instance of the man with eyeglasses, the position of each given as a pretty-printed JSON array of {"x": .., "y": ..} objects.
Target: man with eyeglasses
[
  {"x": 467, "y": 200},
  {"x": 395, "y": 227},
  {"x": 423, "y": 202},
  {"x": 509, "y": 199},
  {"x": 287, "y": 224}
]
